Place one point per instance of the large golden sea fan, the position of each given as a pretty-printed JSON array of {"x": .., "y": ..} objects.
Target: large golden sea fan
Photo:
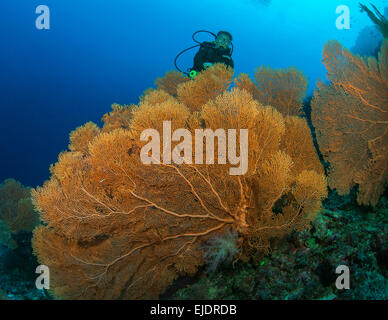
[
  {"x": 119, "y": 229},
  {"x": 351, "y": 119}
]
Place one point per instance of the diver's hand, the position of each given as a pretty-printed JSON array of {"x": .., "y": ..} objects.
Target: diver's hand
[{"x": 207, "y": 65}]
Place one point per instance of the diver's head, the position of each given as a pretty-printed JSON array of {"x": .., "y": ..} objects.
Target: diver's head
[{"x": 224, "y": 39}]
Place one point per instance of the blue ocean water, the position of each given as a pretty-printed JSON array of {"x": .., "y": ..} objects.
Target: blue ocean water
[{"x": 99, "y": 52}]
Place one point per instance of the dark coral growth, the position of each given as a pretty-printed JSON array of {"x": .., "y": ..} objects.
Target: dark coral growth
[
  {"x": 17, "y": 220},
  {"x": 378, "y": 19},
  {"x": 304, "y": 266},
  {"x": 16, "y": 208}
]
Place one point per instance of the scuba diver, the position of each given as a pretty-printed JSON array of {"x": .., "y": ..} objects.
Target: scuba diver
[
  {"x": 213, "y": 52},
  {"x": 218, "y": 51}
]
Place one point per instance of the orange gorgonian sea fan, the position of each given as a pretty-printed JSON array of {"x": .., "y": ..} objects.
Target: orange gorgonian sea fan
[
  {"x": 351, "y": 119},
  {"x": 283, "y": 89},
  {"x": 120, "y": 229},
  {"x": 170, "y": 82}
]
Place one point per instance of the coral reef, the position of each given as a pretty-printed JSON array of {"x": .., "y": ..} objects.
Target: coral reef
[
  {"x": 169, "y": 83},
  {"x": 16, "y": 208},
  {"x": 119, "y": 229},
  {"x": 6, "y": 236},
  {"x": 283, "y": 89},
  {"x": 350, "y": 115},
  {"x": 304, "y": 266},
  {"x": 3, "y": 296},
  {"x": 17, "y": 220},
  {"x": 17, "y": 269},
  {"x": 208, "y": 85},
  {"x": 221, "y": 248},
  {"x": 80, "y": 138},
  {"x": 119, "y": 117}
]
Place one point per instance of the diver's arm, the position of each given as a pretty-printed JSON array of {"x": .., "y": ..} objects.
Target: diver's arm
[{"x": 228, "y": 61}]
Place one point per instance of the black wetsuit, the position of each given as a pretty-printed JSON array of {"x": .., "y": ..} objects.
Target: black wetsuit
[{"x": 209, "y": 53}]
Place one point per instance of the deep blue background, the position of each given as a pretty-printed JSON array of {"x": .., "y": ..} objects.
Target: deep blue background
[{"x": 100, "y": 52}]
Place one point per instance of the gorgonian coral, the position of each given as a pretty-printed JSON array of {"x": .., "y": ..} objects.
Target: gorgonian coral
[
  {"x": 169, "y": 83},
  {"x": 378, "y": 19},
  {"x": 119, "y": 117},
  {"x": 118, "y": 228},
  {"x": 16, "y": 208},
  {"x": 80, "y": 138},
  {"x": 283, "y": 89},
  {"x": 208, "y": 85},
  {"x": 6, "y": 236},
  {"x": 351, "y": 119}
]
